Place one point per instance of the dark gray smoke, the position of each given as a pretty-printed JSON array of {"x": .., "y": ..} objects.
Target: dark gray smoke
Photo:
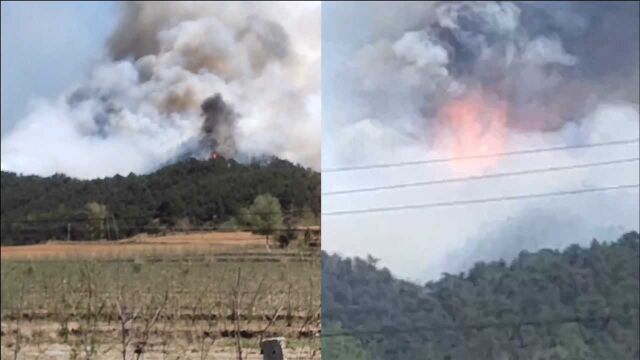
[{"x": 218, "y": 127}]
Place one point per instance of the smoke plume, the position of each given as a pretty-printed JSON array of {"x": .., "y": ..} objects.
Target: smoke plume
[
  {"x": 433, "y": 80},
  {"x": 217, "y": 128},
  {"x": 551, "y": 63},
  {"x": 184, "y": 79}
]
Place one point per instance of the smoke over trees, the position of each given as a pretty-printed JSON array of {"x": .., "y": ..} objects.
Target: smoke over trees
[
  {"x": 169, "y": 68},
  {"x": 218, "y": 126},
  {"x": 581, "y": 302},
  {"x": 432, "y": 80}
]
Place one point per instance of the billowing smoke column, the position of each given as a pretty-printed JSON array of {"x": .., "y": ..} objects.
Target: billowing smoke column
[
  {"x": 432, "y": 80},
  {"x": 549, "y": 63},
  {"x": 183, "y": 79},
  {"x": 218, "y": 126}
]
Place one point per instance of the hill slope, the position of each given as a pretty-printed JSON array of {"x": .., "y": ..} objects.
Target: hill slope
[
  {"x": 520, "y": 310},
  {"x": 195, "y": 192}
]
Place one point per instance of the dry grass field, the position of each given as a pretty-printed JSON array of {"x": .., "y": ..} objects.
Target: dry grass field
[
  {"x": 182, "y": 296},
  {"x": 138, "y": 246}
]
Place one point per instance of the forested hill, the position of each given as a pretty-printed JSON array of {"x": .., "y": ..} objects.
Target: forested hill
[
  {"x": 189, "y": 192},
  {"x": 580, "y": 303}
]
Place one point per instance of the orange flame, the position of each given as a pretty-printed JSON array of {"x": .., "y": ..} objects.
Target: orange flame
[{"x": 471, "y": 126}]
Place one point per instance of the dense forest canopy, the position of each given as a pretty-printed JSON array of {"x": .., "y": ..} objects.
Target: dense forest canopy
[
  {"x": 580, "y": 303},
  {"x": 188, "y": 193}
]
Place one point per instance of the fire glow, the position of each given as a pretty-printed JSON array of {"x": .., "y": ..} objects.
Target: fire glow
[{"x": 471, "y": 126}]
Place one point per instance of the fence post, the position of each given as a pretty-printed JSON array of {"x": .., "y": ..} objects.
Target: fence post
[{"x": 273, "y": 348}]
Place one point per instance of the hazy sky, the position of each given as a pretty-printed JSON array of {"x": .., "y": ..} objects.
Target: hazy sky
[
  {"x": 47, "y": 47},
  {"x": 389, "y": 70}
]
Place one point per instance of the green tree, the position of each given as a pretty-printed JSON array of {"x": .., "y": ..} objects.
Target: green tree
[
  {"x": 202, "y": 191},
  {"x": 343, "y": 347},
  {"x": 580, "y": 303},
  {"x": 97, "y": 214},
  {"x": 264, "y": 215},
  {"x": 230, "y": 225}
]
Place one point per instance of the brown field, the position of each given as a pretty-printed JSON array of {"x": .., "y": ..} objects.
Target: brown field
[
  {"x": 185, "y": 296},
  {"x": 141, "y": 245},
  {"x": 65, "y": 352}
]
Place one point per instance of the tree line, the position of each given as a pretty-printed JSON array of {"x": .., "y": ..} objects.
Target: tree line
[
  {"x": 579, "y": 303},
  {"x": 189, "y": 194}
]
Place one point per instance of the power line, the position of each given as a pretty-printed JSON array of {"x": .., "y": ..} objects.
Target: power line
[
  {"x": 481, "y": 156},
  {"x": 478, "y": 177},
  {"x": 479, "y": 201},
  {"x": 478, "y": 326}
]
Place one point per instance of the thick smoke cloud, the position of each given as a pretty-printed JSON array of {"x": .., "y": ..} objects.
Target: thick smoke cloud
[
  {"x": 428, "y": 80},
  {"x": 183, "y": 79},
  {"x": 552, "y": 63}
]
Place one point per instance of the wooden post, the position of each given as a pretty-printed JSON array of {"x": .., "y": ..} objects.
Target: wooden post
[
  {"x": 68, "y": 231},
  {"x": 273, "y": 348}
]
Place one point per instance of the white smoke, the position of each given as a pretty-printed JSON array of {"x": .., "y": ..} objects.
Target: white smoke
[
  {"x": 569, "y": 74},
  {"x": 140, "y": 108},
  {"x": 548, "y": 69}
]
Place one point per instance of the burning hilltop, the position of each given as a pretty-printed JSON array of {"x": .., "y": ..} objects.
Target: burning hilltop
[{"x": 183, "y": 79}]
